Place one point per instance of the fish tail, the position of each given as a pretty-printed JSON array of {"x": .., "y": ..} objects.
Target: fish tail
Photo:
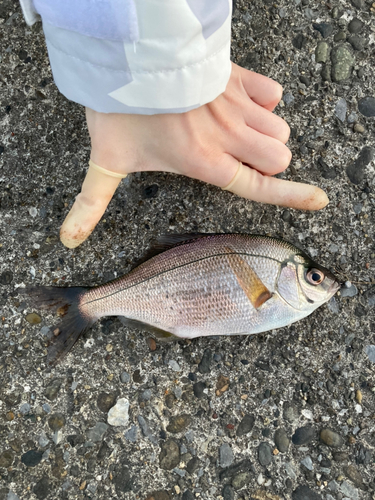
[{"x": 74, "y": 320}]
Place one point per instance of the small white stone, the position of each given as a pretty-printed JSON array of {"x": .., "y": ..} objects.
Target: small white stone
[
  {"x": 118, "y": 415},
  {"x": 174, "y": 365},
  {"x": 260, "y": 479},
  {"x": 33, "y": 211},
  {"x": 307, "y": 414},
  {"x": 358, "y": 408}
]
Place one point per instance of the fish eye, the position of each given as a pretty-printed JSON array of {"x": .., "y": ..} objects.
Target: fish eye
[{"x": 315, "y": 276}]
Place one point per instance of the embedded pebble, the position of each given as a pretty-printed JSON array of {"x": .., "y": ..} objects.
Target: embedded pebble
[
  {"x": 179, "y": 423},
  {"x": 288, "y": 98},
  {"x": 303, "y": 435},
  {"x": 352, "y": 291},
  {"x": 246, "y": 425},
  {"x": 264, "y": 454},
  {"x": 105, "y": 401},
  {"x": 205, "y": 363},
  {"x": 96, "y": 434},
  {"x": 357, "y": 169},
  {"x": 31, "y": 458},
  {"x": 169, "y": 456},
  {"x": 225, "y": 455},
  {"x": 322, "y": 52},
  {"x": 305, "y": 493},
  {"x": 132, "y": 434},
  {"x": 33, "y": 211},
  {"x": 342, "y": 63},
  {"x": 307, "y": 462},
  {"x": 282, "y": 441},
  {"x": 33, "y": 318},
  {"x": 25, "y": 408},
  {"x": 370, "y": 351},
  {"x": 366, "y": 106},
  {"x": 331, "y": 438},
  {"x": 146, "y": 431},
  {"x": 174, "y": 365},
  {"x": 118, "y": 415},
  {"x": 125, "y": 377},
  {"x": 340, "y": 109}
]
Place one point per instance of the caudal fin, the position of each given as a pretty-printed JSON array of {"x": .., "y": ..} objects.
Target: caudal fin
[{"x": 73, "y": 320}]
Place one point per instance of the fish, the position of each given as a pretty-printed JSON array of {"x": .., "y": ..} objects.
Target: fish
[{"x": 196, "y": 286}]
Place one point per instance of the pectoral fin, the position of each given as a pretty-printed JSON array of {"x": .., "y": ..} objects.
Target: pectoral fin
[{"x": 248, "y": 280}]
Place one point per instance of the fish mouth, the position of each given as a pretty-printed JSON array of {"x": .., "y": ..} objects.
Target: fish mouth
[{"x": 335, "y": 287}]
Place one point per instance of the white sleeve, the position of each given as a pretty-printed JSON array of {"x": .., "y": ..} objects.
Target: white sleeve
[{"x": 138, "y": 56}]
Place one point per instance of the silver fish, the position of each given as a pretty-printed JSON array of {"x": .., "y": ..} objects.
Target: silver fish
[{"x": 223, "y": 284}]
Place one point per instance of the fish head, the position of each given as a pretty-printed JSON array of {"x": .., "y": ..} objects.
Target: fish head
[{"x": 306, "y": 285}]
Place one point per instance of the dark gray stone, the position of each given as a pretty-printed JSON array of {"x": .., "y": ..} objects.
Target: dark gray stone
[
  {"x": 246, "y": 425},
  {"x": 96, "y": 434},
  {"x": 298, "y": 41},
  {"x": 359, "y": 4},
  {"x": 303, "y": 435},
  {"x": 356, "y": 170},
  {"x": 325, "y": 29},
  {"x": 228, "y": 492},
  {"x": 205, "y": 364},
  {"x": 146, "y": 431},
  {"x": 304, "y": 493},
  {"x": 42, "y": 488},
  {"x": 198, "y": 389},
  {"x": 188, "y": 495},
  {"x": 282, "y": 441},
  {"x": 225, "y": 455},
  {"x": 6, "y": 278},
  {"x": 122, "y": 480},
  {"x": 357, "y": 42},
  {"x": 32, "y": 458},
  {"x": 264, "y": 454},
  {"x": 192, "y": 465},
  {"x": 355, "y": 25},
  {"x": 366, "y": 106}
]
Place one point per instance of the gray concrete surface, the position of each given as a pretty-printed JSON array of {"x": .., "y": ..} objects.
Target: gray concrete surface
[{"x": 260, "y": 436}]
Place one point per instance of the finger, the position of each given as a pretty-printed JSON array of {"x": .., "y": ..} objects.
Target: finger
[
  {"x": 264, "y": 153},
  {"x": 89, "y": 206},
  {"x": 252, "y": 185},
  {"x": 260, "y": 119},
  {"x": 261, "y": 89}
]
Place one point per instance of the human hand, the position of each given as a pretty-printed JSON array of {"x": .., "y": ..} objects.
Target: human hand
[{"x": 207, "y": 143}]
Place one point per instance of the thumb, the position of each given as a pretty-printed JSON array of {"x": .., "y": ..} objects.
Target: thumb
[
  {"x": 253, "y": 185},
  {"x": 97, "y": 191}
]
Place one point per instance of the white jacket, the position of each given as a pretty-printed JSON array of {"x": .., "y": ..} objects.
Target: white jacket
[{"x": 137, "y": 56}]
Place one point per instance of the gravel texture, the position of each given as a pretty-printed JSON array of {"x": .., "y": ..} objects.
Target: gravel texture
[{"x": 285, "y": 415}]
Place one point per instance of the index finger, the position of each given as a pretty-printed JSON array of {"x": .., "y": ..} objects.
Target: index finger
[{"x": 251, "y": 184}]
